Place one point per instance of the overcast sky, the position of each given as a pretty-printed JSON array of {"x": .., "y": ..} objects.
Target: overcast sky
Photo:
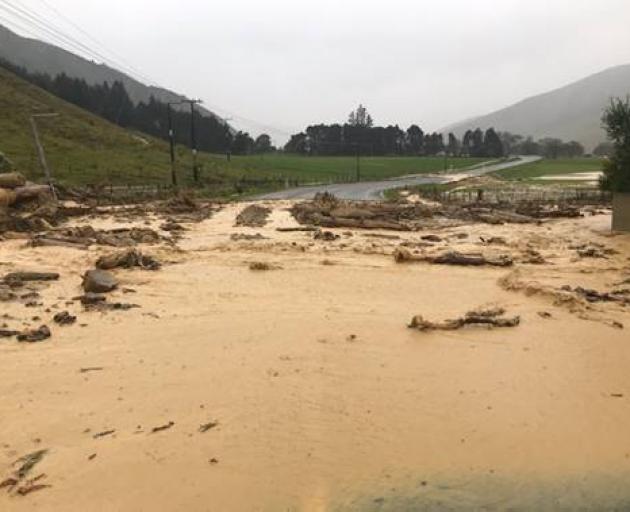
[{"x": 289, "y": 63}]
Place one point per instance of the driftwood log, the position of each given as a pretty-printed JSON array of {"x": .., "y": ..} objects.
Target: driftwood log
[
  {"x": 403, "y": 255},
  {"x": 12, "y": 180},
  {"x": 488, "y": 318}
]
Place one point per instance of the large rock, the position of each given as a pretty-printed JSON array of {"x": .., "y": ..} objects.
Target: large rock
[{"x": 99, "y": 281}]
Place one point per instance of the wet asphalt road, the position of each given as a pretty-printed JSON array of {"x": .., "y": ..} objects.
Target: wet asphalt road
[{"x": 367, "y": 190}]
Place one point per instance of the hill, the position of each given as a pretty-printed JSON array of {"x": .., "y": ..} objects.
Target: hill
[
  {"x": 572, "y": 112},
  {"x": 41, "y": 57},
  {"x": 81, "y": 147}
]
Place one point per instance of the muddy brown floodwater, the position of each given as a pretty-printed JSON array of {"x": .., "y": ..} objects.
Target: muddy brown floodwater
[{"x": 302, "y": 388}]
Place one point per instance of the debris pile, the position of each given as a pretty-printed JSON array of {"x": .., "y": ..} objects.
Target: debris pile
[
  {"x": 184, "y": 208},
  {"x": 327, "y": 211},
  {"x": 81, "y": 237},
  {"x": 592, "y": 296},
  {"x": 262, "y": 266},
  {"x": 128, "y": 259},
  {"x": 34, "y": 335},
  {"x": 253, "y": 216},
  {"x": 25, "y": 206},
  {"x": 489, "y": 318}
]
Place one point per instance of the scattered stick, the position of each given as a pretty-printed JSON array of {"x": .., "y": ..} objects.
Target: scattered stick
[
  {"x": 291, "y": 230},
  {"x": 105, "y": 433},
  {"x": 170, "y": 424},
  {"x": 489, "y": 317},
  {"x": 208, "y": 426},
  {"x": 91, "y": 369}
]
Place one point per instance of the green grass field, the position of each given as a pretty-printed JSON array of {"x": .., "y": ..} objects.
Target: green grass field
[
  {"x": 551, "y": 168},
  {"x": 307, "y": 168}
]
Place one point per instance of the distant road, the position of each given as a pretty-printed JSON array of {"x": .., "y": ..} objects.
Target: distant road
[{"x": 366, "y": 190}]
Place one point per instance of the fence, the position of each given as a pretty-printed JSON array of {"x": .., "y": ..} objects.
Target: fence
[{"x": 577, "y": 195}]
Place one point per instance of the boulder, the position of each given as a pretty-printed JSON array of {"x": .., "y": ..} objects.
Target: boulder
[{"x": 99, "y": 281}]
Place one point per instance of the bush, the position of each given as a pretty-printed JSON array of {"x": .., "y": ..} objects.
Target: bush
[{"x": 616, "y": 121}]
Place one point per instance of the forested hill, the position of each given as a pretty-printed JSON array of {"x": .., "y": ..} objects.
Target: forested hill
[
  {"x": 40, "y": 57},
  {"x": 112, "y": 102}
]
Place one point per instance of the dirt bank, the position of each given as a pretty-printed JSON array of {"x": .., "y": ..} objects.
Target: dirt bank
[{"x": 303, "y": 388}]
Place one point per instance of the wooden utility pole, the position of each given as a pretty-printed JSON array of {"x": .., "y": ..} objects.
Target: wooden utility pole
[
  {"x": 171, "y": 140},
  {"x": 193, "y": 138},
  {"x": 40, "y": 150}
]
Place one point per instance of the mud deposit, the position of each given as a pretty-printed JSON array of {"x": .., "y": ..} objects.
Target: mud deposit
[{"x": 303, "y": 388}]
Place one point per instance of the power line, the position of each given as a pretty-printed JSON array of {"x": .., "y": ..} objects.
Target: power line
[
  {"x": 35, "y": 25},
  {"x": 95, "y": 41},
  {"x": 34, "y": 21}
]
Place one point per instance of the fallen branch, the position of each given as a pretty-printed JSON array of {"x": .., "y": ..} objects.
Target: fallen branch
[
  {"x": 454, "y": 258},
  {"x": 490, "y": 318}
]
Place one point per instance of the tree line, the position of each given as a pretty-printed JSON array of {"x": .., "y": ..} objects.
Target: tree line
[
  {"x": 112, "y": 102},
  {"x": 359, "y": 135}
]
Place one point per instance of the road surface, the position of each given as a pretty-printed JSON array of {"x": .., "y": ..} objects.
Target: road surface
[{"x": 366, "y": 190}]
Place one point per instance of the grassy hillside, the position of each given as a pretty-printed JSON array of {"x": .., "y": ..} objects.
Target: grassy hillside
[
  {"x": 550, "y": 168},
  {"x": 85, "y": 149},
  {"x": 80, "y": 147}
]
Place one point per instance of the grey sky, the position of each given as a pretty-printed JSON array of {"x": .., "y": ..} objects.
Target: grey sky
[{"x": 288, "y": 63}]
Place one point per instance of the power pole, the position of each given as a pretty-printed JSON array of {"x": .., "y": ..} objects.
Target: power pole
[
  {"x": 228, "y": 153},
  {"x": 171, "y": 139},
  {"x": 40, "y": 150},
  {"x": 193, "y": 138}
]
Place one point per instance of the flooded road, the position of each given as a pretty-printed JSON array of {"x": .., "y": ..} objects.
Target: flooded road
[{"x": 323, "y": 398}]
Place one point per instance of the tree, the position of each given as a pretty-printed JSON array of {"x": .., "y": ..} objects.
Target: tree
[
  {"x": 434, "y": 143},
  {"x": 453, "y": 145},
  {"x": 243, "y": 144},
  {"x": 510, "y": 142},
  {"x": 360, "y": 117},
  {"x": 493, "y": 147},
  {"x": 297, "y": 144},
  {"x": 477, "y": 147},
  {"x": 467, "y": 143},
  {"x": 573, "y": 149},
  {"x": 263, "y": 144},
  {"x": 604, "y": 149},
  {"x": 414, "y": 140},
  {"x": 550, "y": 147},
  {"x": 528, "y": 147},
  {"x": 616, "y": 121}
]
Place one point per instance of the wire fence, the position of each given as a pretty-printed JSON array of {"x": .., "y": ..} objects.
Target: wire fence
[{"x": 577, "y": 195}]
